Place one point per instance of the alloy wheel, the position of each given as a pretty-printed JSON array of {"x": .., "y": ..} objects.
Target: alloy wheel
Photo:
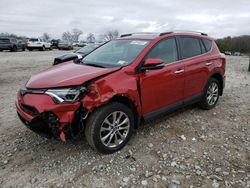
[
  {"x": 114, "y": 129},
  {"x": 212, "y": 93}
]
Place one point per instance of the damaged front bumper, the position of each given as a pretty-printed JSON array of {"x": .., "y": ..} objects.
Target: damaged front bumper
[{"x": 40, "y": 114}]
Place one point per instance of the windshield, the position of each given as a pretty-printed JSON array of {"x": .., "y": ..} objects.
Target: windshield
[
  {"x": 116, "y": 53},
  {"x": 87, "y": 49}
]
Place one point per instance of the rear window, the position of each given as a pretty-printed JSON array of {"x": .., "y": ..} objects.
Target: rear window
[
  {"x": 33, "y": 40},
  {"x": 208, "y": 44},
  {"x": 190, "y": 47}
]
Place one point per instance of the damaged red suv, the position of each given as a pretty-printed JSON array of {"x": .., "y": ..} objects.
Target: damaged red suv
[{"x": 135, "y": 77}]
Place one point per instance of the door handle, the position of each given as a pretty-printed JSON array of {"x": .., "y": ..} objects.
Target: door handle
[
  {"x": 179, "y": 71},
  {"x": 209, "y": 63}
]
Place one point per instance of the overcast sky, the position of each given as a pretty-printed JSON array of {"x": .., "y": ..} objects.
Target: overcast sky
[{"x": 31, "y": 18}]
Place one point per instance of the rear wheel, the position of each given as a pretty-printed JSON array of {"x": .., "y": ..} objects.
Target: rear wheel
[
  {"x": 109, "y": 128},
  {"x": 211, "y": 94}
]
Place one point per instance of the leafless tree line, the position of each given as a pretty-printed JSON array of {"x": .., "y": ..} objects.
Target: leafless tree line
[{"x": 73, "y": 35}]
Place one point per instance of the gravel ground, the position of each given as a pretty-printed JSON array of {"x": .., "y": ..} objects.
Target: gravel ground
[{"x": 188, "y": 148}]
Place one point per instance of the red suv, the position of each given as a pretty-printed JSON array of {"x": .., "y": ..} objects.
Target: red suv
[{"x": 135, "y": 77}]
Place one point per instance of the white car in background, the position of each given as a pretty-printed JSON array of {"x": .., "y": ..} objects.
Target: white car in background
[
  {"x": 37, "y": 43},
  {"x": 76, "y": 43}
]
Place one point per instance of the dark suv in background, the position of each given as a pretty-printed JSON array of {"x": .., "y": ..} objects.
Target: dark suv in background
[{"x": 11, "y": 44}]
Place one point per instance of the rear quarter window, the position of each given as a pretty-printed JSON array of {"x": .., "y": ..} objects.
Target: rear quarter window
[
  {"x": 190, "y": 47},
  {"x": 208, "y": 44}
]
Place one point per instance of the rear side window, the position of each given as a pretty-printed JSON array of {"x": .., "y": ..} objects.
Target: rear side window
[
  {"x": 190, "y": 47},
  {"x": 165, "y": 50},
  {"x": 208, "y": 44}
]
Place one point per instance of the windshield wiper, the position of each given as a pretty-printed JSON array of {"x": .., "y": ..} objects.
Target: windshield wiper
[{"x": 93, "y": 64}]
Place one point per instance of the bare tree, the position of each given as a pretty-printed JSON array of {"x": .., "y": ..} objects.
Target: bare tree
[
  {"x": 91, "y": 37},
  {"x": 45, "y": 36},
  {"x": 67, "y": 36},
  {"x": 76, "y": 33},
  {"x": 110, "y": 35}
]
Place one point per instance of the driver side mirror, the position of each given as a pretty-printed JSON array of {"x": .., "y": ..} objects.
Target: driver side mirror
[{"x": 153, "y": 64}]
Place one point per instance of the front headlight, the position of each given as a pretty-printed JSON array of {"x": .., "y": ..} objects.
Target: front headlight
[{"x": 61, "y": 95}]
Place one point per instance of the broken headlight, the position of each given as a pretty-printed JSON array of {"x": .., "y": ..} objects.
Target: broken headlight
[{"x": 61, "y": 95}]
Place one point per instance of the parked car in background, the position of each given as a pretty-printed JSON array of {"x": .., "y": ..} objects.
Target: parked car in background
[
  {"x": 237, "y": 54},
  {"x": 78, "y": 54},
  {"x": 76, "y": 43},
  {"x": 54, "y": 43},
  {"x": 37, "y": 43},
  {"x": 228, "y": 53},
  {"x": 82, "y": 44},
  {"x": 65, "y": 45},
  {"x": 11, "y": 44},
  {"x": 26, "y": 40},
  {"x": 134, "y": 78},
  {"x": 22, "y": 43}
]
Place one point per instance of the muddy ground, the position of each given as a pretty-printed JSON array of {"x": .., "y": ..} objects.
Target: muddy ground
[{"x": 188, "y": 148}]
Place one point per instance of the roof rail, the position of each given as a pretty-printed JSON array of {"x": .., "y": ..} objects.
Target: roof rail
[
  {"x": 126, "y": 35},
  {"x": 165, "y": 33},
  {"x": 138, "y": 33},
  {"x": 176, "y": 31}
]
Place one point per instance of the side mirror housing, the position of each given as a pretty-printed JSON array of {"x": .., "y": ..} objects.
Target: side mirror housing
[{"x": 153, "y": 64}]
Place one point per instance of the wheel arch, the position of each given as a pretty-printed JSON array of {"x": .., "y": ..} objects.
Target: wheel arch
[
  {"x": 130, "y": 104},
  {"x": 218, "y": 77}
]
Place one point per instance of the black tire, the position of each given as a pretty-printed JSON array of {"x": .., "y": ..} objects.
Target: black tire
[
  {"x": 205, "y": 104},
  {"x": 30, "y": 49},
  {"x": 23, "y": 49},
  {"x": 14, "y": 49},
  {"x": 96, "y": 120}
]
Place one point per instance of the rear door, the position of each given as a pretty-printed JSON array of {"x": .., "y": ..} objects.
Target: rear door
[
  {"x": 164, "y": 87},
  {"x": 195, "y": 58}
]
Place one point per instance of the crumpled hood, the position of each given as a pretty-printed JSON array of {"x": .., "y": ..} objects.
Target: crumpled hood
[{"x": 66, "y": 74}]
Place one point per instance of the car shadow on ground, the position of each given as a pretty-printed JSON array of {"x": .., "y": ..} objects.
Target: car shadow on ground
[{"x": 79, "y": 143}]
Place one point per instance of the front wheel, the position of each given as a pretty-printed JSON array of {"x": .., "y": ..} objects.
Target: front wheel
[
  {"x": 109, "y": 128},
  {"x": 211, "y": 94}
]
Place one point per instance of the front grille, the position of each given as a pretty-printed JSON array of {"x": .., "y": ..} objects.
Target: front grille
[{"x": 29, "y": 109}]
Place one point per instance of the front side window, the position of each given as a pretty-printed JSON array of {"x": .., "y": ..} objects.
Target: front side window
[
  {"x": 116, "y": 53},
  {"x": 165, "y": 50},
  {"x": 190, "y": 47}
]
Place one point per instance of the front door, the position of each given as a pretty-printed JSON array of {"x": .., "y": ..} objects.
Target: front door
[{"x": 164, "y": 87}]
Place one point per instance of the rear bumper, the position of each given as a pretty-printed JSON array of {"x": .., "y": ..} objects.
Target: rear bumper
[
  {"x": 39, "y": 113},
  {"x": 6, "y": 47}
]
